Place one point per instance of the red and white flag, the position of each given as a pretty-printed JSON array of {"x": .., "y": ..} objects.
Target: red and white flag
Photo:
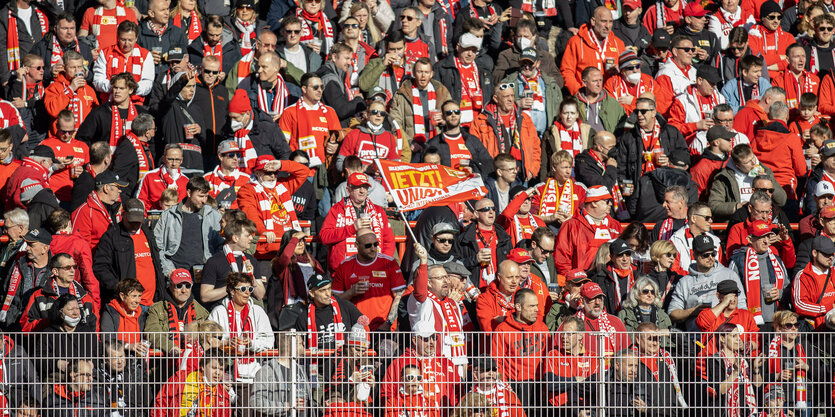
[{"x": 416, "y": 186}]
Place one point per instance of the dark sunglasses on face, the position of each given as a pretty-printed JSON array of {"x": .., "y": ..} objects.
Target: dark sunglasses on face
[
  {"x": 773, "y": 16},
  {"x": 67, "y": 132},
  {"x": 181, "y": 285},
  {"x": 688, "y": 50},
  {"x": 825, "y": 29},
  {"x": 376, "y": 112},
  {"x": 486, "y": 209},
  {"x": 351, "y": 25},
  {"x": 292, "y": 32},
  {"x": 768, "y": 190},
  {"x": 632, "y": 68},
  {"x": 244, "y": 7},
  {"x": 707, "y": 255},
  {"x": 315, "y": 87},
  {"x": 40, "y": 67},
  {"x": 372, "y": 245},
  {"x": 643, "y": 111},
  {"x": 790, "y": 325},
  {"x": 451, "y": 112},
  {"x": 443, "y": 241},
  {"x": 407, "y": 18},
  {"x": 207, "y": 72},
  {"x": 648, "y": 291},
  {"x": 245, "y": 288}
]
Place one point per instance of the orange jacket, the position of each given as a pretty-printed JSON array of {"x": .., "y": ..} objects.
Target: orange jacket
[
  {"x": 750, "y": 118},
  {"x": 484, "y": 128},
  {"x": 762, "y": 42},
  {"x": 808, "y": 83},
  {"x": 618, "y": 87},
  {"x": 782, "y": 151},
  {"x": 582, "y": 52},
  {"x": 519, "y": 349},
  {"x": 488, "y": 308},
  {"x": 826, "y": 96},
  {"x": 57, "y": 98}
]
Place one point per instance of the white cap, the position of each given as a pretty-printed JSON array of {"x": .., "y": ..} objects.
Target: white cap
[
  {"x": 824, "y": 188},
  {"x": 468, "y": 40},
  {"x": 423, "y": 329}
]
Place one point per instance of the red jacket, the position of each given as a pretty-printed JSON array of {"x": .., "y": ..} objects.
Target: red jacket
[
  {"x": 808, "y": 83},
  {"x": 507, "y": 221},
  {"x": 91, "y": 220},
  {"x": 488, "y": 310},
  {"x": 350, "y": 409},
  {"x": 576, "y": 246},
  {"x": 704, "y": 171},
  {"x": 581, "y": 52},
  {"x": 80, "y": 251},
  {"x": 36, "y": 314},
  {"x": 152, "y": 185},
  {"x": 738, "y": 237},
  {"x": 443, "y": 373},
  {"x": 248, "y": 202},
  {"x": 57, "y": 97},
  {"x": 417, "y": 405},
  {"x": 811, "y": 300},
  {"x": 618, "y": 341},
  {"x": 61, "y": 182},
  {"x": 368, "y": 147},
  {"x": 338, "y": 230},
  {"x": 567, "y": 366},
  {"x": 750, "y": 118},
  {"x": 27, "y": 170},
  {"x": 781, "y": 151},
  {"x": 762, "y": 42},
  {"x": 826, "y": 96},
  {"x": 519, "y": 349}
]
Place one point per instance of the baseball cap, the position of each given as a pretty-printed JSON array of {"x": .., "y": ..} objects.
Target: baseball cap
[
  {"x": 110, "y": 177},
  {"x": 828, "y": 148},
  {"x": 576, "y": 277},
  {"x": 29, "y": 188},
  {"x": 824, "y": 188},
  {"x": 719, "y": 132},
  {"x": 262, "y": 161},
  {"x": 760, "y": 228},
  {"x": 661, "y": 39},
  {"x": 176, "y": 53},
  {"x": 43, "y": 151},
  {"x": 597, "y": 193},
  {"x": 134, "y": 210},
  {"x": 250, "y": 3},
  {"x": 823, "y": 245},
  {"x": 468, "y": 40},
  {"x": 591, "y": 290},
  {"x": 827, "y": 212},
  {"x": 708, "y": 73},
  {"x": 228, "y": 146},
  {"x": 444, "y": 227},
  {"x": 424, "y": 329},
  {"x": 38, "y": 235},
  {"x": 727, "y": 286},
  {"x": 485, "y": 363},
  {"x": 680, "y": 158},
  {"x": 618, "y": 247},
  {"x": 358, "y": 179},
  {"x": 529, "y": 54},
  {"x": 694, "y": 9},
  {"x": 702, "y": 244},
  {"x": 376, "y": 91},
  {"x": 520, "y": 256},
  {"x": 632, "y": 4},
  {"x": 317, "y": 281},
  {"x": 180, "y": 275}
]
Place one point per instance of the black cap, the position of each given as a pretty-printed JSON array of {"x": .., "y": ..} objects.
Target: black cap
[
  {"x": 514, "y": 191},
  {"x": 43, "y": 151},
  {"x": 529, "y": 54},
  {"x": 134, "y": 210},
  {"x": 823, "y": 245},
  {"x": 485, "y": 363},
  {"x": 176, "y": 53},
  {"x": 828, "y": 148},
  {"x": 703, "y": 243},
  {"x": 38, "y": 235},
  {"x": 250, "y": 3},
  {"x": 110, "y": 177},
  {"x": 708, "y": 74},
  {"x": 719, "y": 132},
  {"x": 768, "y": 8},
  {"x": 680, "y": 158},
  {"x": 618, "y": 247},
  {"x": 317, "y": 281},
  {"x": 727, "y": 286},
  {"x": 661, "y": 39}
]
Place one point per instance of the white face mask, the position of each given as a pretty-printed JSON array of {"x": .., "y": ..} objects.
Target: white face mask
[
  {"x": 633, "y": 78},
  {"x": 373, "y": 127},
  {"x": 523, "y": 43},
  {"x": 8, "y": 159},
  {"x": 268, "y": 184},
  {"x": 72, "y": 322},
  {"x": 236, "y": 125}
]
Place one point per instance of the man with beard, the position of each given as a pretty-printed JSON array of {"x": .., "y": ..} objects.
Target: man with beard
[
  {"x": 217, "y": 41},
  {"x": 345, "y": 101},
  {"x": 457, "y": 146},
  {"x": 173, "y": 313},
  {"x": 63, "y": 32}
]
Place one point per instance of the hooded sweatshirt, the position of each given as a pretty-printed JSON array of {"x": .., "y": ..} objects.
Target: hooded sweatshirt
[
  {"x": 582, "y": 51},
  {"x": 697, "y": 288},
  {"x": 127, "y": 325},
  {"x": 519, "y": 348},
  {"x": 782, "y": 151}
]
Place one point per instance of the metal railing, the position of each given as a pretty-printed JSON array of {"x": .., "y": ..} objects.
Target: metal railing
[{"x": 497, "y": 374}]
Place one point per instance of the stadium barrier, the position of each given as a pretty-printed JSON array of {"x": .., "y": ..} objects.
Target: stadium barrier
[{"x": 498, "y": 374}]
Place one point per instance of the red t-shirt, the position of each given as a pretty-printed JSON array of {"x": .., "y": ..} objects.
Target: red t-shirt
[
  {"x": 568, "y": 366},
  {"x": 60, "y": 182},
  {"x": 457, "y": 150},
  {"x": 109, "y": 22},
  {"x": 145, "y": 273},
  {"x": 383, "y": 276}
]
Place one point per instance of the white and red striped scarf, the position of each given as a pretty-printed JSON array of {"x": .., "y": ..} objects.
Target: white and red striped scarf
[
  {"x": 775, "y": 366},
  {"x": 553, "y": 197},
  {"x": 519, "y": 231},
  {"x": 215, "y": 51},
  {"x": 752, "y": 280},
  {"x": 97, "y": 18},
  {"x": 247, "y": 42},
  {"x": 57, "y": 55},
  {"x": 195, "y": 28},
  {"x": 14, "y": 283},
  {"x": 118, "y": 127},
  {"x": 814, "y": 61},
  {"x": 219, "y": 182},
  {"x": 76, "y": 105},
  {"x": 533, "y": 85},
  {"x": 666, "y": 231},
  {"x": 732, "y": 401},
  {"x": 312, "y": 330},
  {"x": 119, "y": 63},
  {"x": 99, "y": 205},
  {"x": 230, "y": 259},
  {"x": 417, "y": 109},
  {"x": 324, "y": 27},
  {"x": 604, "y": 326},
  {"x": 43, "y": 172},
  {"x": 497, "y": 398},
  {"x": 474, "y": 102},
  {"x": 452, "y": 333},
  {"x": 548, "y": 6},
  {"x": 247, "y": 330},
  {"x": 12, "y": 37},
  {"x": 630, "y": 282},
  {"x": 570, "y": 139},
  {"x": 247, "y": 162},
  {"x": 284, "y": 203},
  {"x": 794, "y": 85},
  {"x": 651, "y": 141},
  {"x": 279, "y": 98}
]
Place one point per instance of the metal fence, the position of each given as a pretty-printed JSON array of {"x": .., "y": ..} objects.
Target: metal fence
[{"x": 498, "y": 374}]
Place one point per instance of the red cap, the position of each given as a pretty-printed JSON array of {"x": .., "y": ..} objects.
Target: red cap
[
  {"x": 632, "y": 4},
  {"x": 577, "y": 276},
  {"x": 694, "y": 9},
  {"x": 760, "y": 228},
  {"x": 240, "y": 102},
  {"x": 180, "y": 275},
  {"x": 591, "y": 290},
  {"x": 358, "y": 179},
  {"x": 262, "y": 161},
  {"x": 828, "y": 212},
  {"x": 520, "y": 256}
]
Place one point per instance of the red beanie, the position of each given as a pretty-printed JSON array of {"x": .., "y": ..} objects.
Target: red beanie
[{"x": 240, "y": 102}]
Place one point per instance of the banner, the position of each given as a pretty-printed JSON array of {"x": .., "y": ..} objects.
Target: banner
[{"x": 416, "y": 186}]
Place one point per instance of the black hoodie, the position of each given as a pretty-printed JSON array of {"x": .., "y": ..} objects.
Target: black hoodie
[{"x": 40, "y": 207}]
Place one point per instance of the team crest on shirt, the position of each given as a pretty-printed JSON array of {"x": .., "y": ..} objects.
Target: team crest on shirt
[
  {"x": 323, "y": 119},
  {"x": 704, "y": 42},
  {"x": 378, "y": 274},
  {"x": 278, "y": 210},
  {"x": 77, "y": 149}
]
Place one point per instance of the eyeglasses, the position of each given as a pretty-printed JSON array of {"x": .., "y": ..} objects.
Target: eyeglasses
[
  {"x": 768, "y": 190},
  {"x": 183, "y": 285},
  {"x": 246, "y": 288},
  {"x": 689, "y": 50},
  {"x": 244, "y": 7},
  {"x": 545, "y": 252},
  {"x": 414, "y": 378},
  {"x": 725, "y": 120},
  {"x": 451, "y": 112},
  {"x": 207, "y": 72},
  {"x": 315, "y": 87},
  {"x": 40, "y": 67},
  {"x": 768, "y": 211},
  {"x": 643, "y": 111},
  {"x": 486, "y": 209},
  {"x": 791, "y": 325},
  {"x": 706, "y": 217},
  {"x": 441, "y": 277},
  {"x": 737, "y": 48},
  {"x": 646, "y": 291},
  {"x": 350, "y": 26},
  {"x": 68, "y": 267},
  {"x": 444, "y": 241},
  {"x": 505, "y": 86},
  {"x": 292, "y": 32},
  {"x": 376, "y": 112},
  {"x": 773, "y": 16},
  {"x": 707, "y": 255},
  {"x": 825, "y": 28},
  {"x": 632, "y": 68},
  {"x": 407, "y": 18},
  {"x": 671, "y": 254},
  {"x": 372, "y": 245}
]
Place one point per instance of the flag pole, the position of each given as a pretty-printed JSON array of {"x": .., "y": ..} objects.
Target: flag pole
[
  {"x": 387, "y": 186},
  {"x": 406, "y": 222}
]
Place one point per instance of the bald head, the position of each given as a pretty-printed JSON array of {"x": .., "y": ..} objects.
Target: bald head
[
  {"x": 508, "y": 277},
  {"x": 601, "y": 22},
  {"x": 604, "y": 142}
]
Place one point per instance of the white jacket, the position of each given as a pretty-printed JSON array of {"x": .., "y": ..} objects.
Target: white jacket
[{"x": 263, "y": 334}]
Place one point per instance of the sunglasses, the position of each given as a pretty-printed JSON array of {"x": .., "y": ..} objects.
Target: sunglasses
[
  {"x": 708, "y": 255},
  {"x": 707, "y": 218},
  {"x": 791, "y": 325},
  {"x": 632, "y": 68},
  {"x": 372, "y": 245},
  {"x": 689, "y": 50},
  {"x": 67, "y": 132},
  {"x": 768, "y": 190},
  {"x": 826, "y": 28},
  {"x": 376, "y": 112},
  {"x": 68, "y": 267},
  {"x": 444, "y": 241},
  {"x": 737, "y": 48},
  {"x": 244, "y": 7},
  {"x": 414, "y": 378},
  {"x": 316, "y": 87},
  {"x": 648, "y": 291},
  {"x": 351, "y": 25},
  {"x": 40, "y": 67},
  {"x": 292, "y": 32},
  {"x": 211, "y": 72},
  {"x": 246, "y": 288},
  {"x": 407, "y": 18},
  {"x": 773, "y": 16},
  {"x": 486, "y": 209},
  {"x": 505, "y": 86},
  {"x": 232, "y": 155},
  {"x": 183, "y": 285},
  {"x": 451, "y": 112},
  {"x": 643, "y": 111}
]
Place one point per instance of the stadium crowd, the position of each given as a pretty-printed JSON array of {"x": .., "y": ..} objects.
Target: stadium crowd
[{"x": 196, "y": 223}]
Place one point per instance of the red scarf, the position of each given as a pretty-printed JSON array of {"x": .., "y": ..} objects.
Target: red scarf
[
  {"x": 732, "y": 396},
  {"x": 796, "y": 86},
  {"x": 146, "y": 163},
  {"x": 12, "y": 40},
  {"x": 57, "y": 55},
  {"x": 215, "y": 51},
  {"x": 43, "y": 172},
  {"x": 285, "y": 214},
  {"x": 247, "y": 163},
  {"x": 118, "y": 128},
  {"x": 557, "y": 198},
  {"x": 219, "y": 182},
  {"x": 195, "y": 28},
  {"x": 752, "y": 280},
  {"x": 417, "y": 110},
  {"x": 570, "y": 138},
  {"x": 118, "y": 63},
  {"x": 77, "y": 99},
  {"x": 177, "y": 327},
  {"x": 604, "y": 326},
  {"x": 488, "y": 271},
  {"x": 279, "y": 98},
  {"x": 312, "y": 329},
  {"x": 775, "y": 366},
  {"x": 471, "y": 95},
  {"x": 616, "y": 274},
  {"x": 602, "y": 234},
  {"x": 666, "y": 230},
  {"x": 650, "y": 143},
  {"x": 247, "y": 330},
  {"x": 324, "y": 27},
  {"x": 233, "y": 264}
]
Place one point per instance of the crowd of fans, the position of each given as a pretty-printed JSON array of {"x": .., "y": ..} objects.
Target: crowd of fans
[{"x": 195, "y": 224}]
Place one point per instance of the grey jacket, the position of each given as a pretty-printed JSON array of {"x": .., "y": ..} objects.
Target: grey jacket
[
  {"x": 169, "y": 233},
  {"x": 700, "y": 288},
  {"x": 271, "y": 393}
]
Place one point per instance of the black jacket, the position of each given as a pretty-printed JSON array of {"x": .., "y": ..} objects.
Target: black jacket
[
  {"x": 97, "y": 125},
  {"x": 588, "y": 172},
  {"x": 173, "y": 36},
  {"x": 230, "y": 51},
  {"x": 267, "y": 138},
  {"x": 81, "y": 189},
  {"x": 482, "y": 163},
  {"x": 705, "y": 39},
  {"x": 34, "y": 115},
  {"x": 630, "y": 156},
  {"x": 41, "y": 206},
  {"x": 176, "y": 113},
  {"x": 651, "y": 189},
  {"x": 447, "y": 73},
  {"x": 43, "y": 49},
  {"x": 466, "y": 248},
  {"x": 214, "y": 106},
  {"x": 125, "y": 164},
  {"x": 632, "y": 35},
  {"x": 335, "y": 95},
  {"x": 115, "y": 260},
  {"x": 606, "y": 280},
  {"x": 25, "y": 41}
]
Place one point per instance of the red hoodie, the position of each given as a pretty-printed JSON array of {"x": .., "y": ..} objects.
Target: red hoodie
[
  {"x": 80, "y": 251},
  {"x": 750, "y": 118},
  {"x": 782, "y": 151},
  {"x": 582, "y": 51},
  {"x": 519, "y": 348},
  {"x": 488, "y": 307}
]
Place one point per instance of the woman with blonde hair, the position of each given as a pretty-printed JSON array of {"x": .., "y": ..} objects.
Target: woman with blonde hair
[
  {"x": 380, "y": 15},
  {"x": 788, "y": 363},
  {"x": 806, "y": 27},
  {"x": 662, "y": 254},
  {"x": 369, "y": 34},
  {"x": 185, "y": 15}
]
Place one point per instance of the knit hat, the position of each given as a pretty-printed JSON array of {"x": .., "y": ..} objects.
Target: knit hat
[
  {"x": 768, "y": 8},
  {"x": 359, "y": 333},
  {"x": 597, "y": 193},
  {"x": 29, "y": 188},
  {"x": 240, "y": 102},
  {"x": 628, "y": 58}
]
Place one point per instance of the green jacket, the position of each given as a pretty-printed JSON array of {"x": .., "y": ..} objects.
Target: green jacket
[
  {"x": 559, "y": 311},
  {"x": 370, "y": 75},
  {"x": 724, "y": 193},
  {"x": 631, "y": 322},
  {"x": 611, "y": 112},
  {"x": 553, "y": 95},
  {"x": 156, "y": 324}
]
